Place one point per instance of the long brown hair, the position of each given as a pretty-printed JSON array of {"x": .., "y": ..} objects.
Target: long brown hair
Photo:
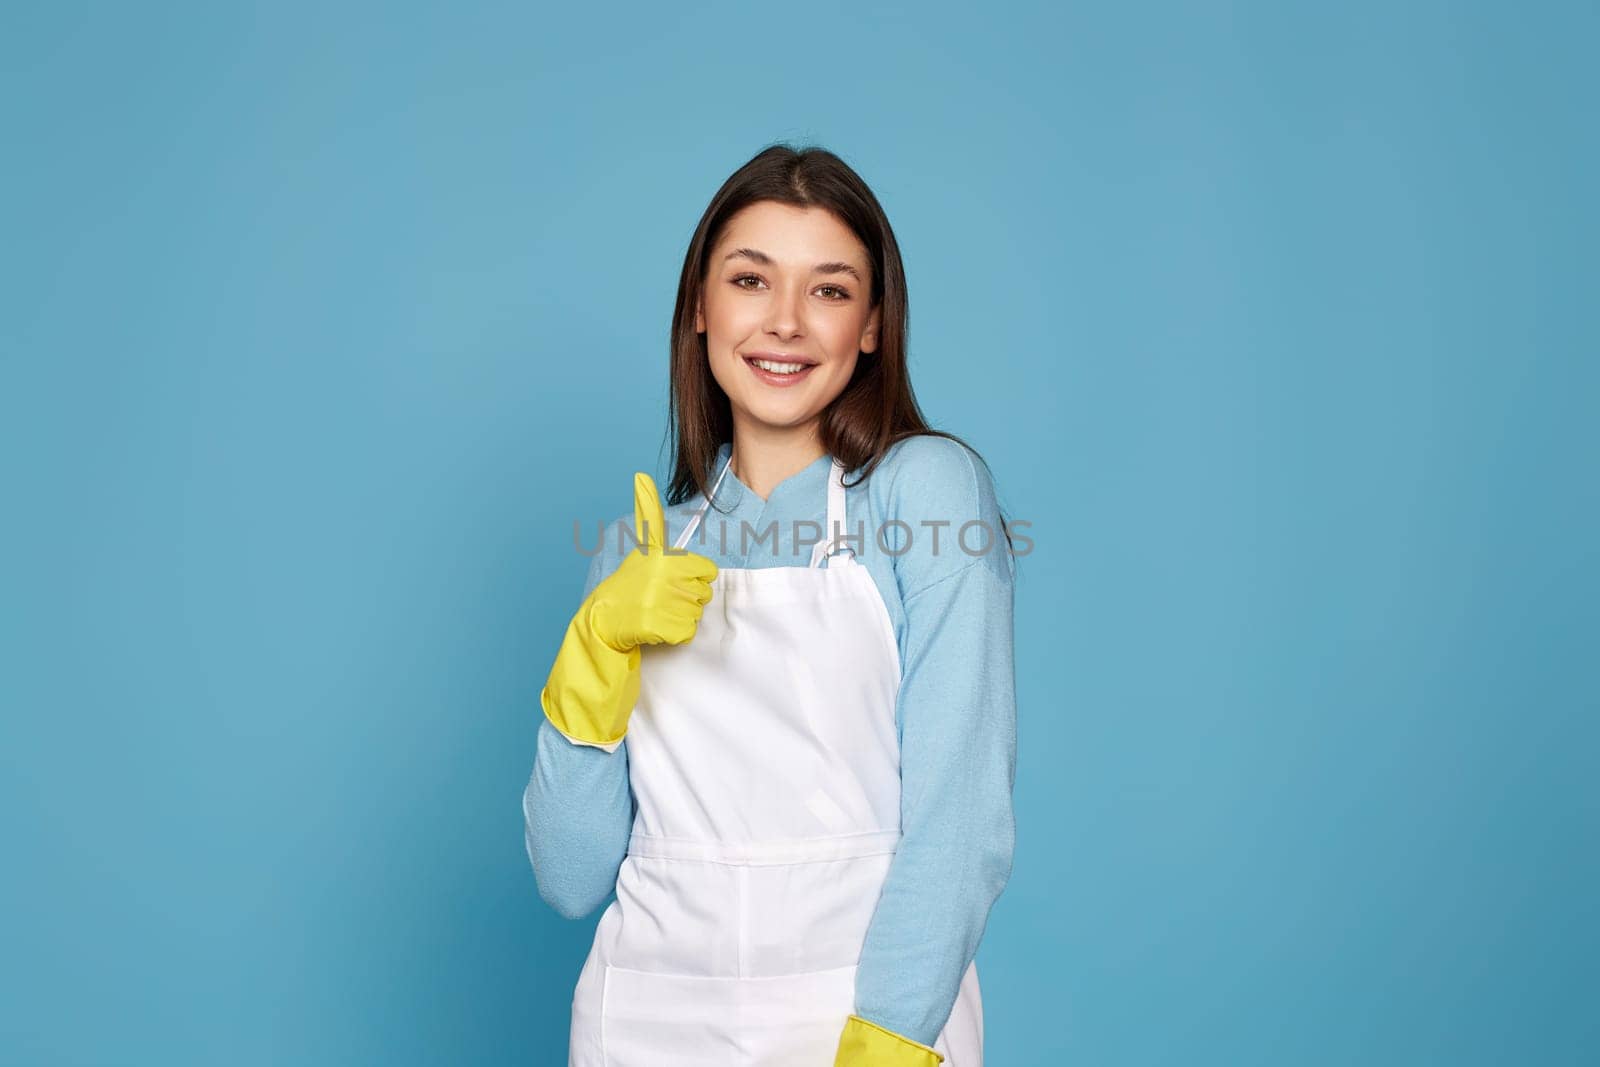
[{"x": 877, "y": 408}]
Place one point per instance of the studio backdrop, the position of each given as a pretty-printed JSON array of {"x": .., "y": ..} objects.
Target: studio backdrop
[{"x": 325, "y": 324}]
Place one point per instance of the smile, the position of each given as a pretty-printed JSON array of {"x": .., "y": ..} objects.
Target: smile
[{"x": 777, "y": 372}]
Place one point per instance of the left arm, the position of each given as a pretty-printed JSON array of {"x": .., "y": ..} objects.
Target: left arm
[{"x": 957, "y": 709}]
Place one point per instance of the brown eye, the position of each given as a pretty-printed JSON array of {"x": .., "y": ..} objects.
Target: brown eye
[
  {"x": 744, "y": 278},
  {"x": 844, "y": 294}
]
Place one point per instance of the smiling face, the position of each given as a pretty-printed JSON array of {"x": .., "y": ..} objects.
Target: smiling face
[{"x": 785, "y": 312}]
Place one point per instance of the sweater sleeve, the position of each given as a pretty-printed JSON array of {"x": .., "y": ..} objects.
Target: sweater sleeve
[
  {"x": 577, "y": 808},
  {"x": 957, "y": 725}
]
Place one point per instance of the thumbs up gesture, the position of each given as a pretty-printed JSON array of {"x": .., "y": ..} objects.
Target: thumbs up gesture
[{"x": 653, "y": 597}]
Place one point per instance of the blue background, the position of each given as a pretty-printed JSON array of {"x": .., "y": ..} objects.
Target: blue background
[{"x": 322, "y": 325}]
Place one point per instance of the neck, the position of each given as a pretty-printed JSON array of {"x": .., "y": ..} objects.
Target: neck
[{"x": 763, "y": 457}]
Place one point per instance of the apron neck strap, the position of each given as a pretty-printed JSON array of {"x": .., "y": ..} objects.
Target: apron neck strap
[
  {"x": 837, "y": 528},
  {"x": 688, "y": 531}
]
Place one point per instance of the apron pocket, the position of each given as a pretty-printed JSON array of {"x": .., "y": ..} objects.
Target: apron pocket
[{"x": 669, "y": 1020}]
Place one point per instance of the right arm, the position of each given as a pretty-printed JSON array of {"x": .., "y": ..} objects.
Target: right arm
[{"x": 577, "y": 808}]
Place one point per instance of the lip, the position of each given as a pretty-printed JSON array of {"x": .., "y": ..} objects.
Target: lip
[
  {"x": 779, "y": 381},
  {"x": 779, "y": 357}
]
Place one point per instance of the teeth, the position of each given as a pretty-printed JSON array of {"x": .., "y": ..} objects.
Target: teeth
[{"x": 778, "y": 368}]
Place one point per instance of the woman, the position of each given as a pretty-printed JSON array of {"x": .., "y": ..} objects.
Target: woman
[{"x": 789, "y": 747}]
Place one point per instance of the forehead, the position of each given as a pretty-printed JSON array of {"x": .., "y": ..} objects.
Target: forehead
[{"x": 797, "y": 236}]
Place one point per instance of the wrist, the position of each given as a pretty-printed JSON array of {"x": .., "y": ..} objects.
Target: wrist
[
  {"x": 594, "y": 620},
  {"x": 866, "y": 1044},
  {"x": 592, "y": 688}
]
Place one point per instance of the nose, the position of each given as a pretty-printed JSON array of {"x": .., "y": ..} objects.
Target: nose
[{"x": 785, "y": 312}]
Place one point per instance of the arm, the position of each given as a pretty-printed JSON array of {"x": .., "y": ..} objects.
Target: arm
[
  {"x": 577, "y": 808},
  {"x": 957, "y": 711}
]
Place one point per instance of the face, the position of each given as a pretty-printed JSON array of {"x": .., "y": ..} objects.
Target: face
[{"x": 788, "y": 287}]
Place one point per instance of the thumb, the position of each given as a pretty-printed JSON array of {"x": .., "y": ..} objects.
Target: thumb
[{"x": 649, "y": 524}]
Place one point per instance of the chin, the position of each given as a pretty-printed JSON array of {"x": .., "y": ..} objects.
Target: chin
[{"x": 779, "y": 419}]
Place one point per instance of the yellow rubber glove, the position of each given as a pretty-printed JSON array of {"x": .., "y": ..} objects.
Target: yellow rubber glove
[
  {"x": 865, "y": 1044},
  {"x": 653, "y": 597}
]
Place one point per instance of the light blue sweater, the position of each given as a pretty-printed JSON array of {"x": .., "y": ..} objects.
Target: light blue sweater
[{"x": 951, "y": 604}]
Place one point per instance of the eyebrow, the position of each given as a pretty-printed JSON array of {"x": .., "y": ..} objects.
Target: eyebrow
[{"x": 821, "y": 268}]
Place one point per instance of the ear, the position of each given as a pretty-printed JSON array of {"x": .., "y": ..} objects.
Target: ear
[{"x": 869, "y": 335}]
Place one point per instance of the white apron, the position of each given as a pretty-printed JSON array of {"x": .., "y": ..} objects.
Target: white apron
[{"x": 765, "y": 768}]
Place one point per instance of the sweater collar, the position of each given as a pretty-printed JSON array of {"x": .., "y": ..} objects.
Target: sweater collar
[{"x": 804, "y": 491}]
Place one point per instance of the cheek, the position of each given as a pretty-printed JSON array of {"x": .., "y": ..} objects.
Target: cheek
[
  {"x": 844, "y": 336},
  {"x": 724, "y": 316}
]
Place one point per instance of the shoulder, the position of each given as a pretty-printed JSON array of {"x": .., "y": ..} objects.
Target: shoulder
[
  {"x": 619, "y": 537},
  {"x": 927, "y": 452},
  {"x": 616, "y": 541},
  {"x": 940, "y": 512},
  {"x": 928, "y": 476}
]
